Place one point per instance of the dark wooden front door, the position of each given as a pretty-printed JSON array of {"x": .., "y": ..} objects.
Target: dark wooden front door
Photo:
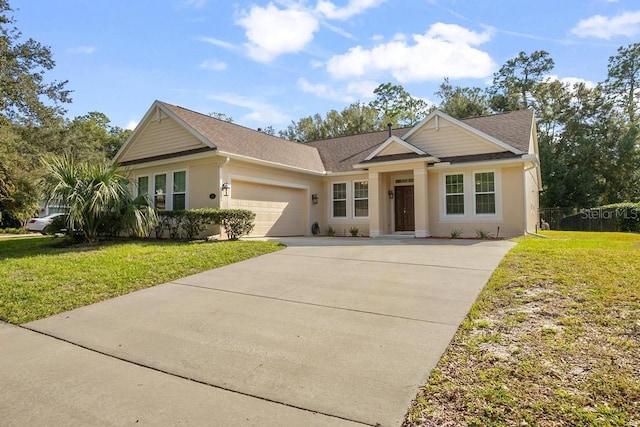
[{"x": 404, "y": 209}]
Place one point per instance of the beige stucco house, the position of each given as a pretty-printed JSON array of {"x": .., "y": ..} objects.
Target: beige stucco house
[{"x": 441, "y": 175}]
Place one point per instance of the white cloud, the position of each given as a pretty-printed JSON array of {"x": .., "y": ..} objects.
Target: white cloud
[
  {"x": 272, "y": 31},
  {"x": 195, "y": 3},
  {"x": 354, "y": 7},
  {"x": 217, "y": 42},
  {"x": 213, "y": 65},
  {"x": 445, "y": 50},
  {"x": 132, "y": 124},
  {"x": 261, "y": 112},
  {"x": 363, "y": 89},
  {"x": 324, "y": 91},
  {"x": 626, "y": 24},
  {"x": 352, "y": 92},
  {"x": 82, "y": 50},
  {"x": 339, "y": 31}
]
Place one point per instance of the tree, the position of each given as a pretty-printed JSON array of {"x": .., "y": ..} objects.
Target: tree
[
  {"x": 269, "y": 130},
  {"x": 623, "y": 80},
  {"x": 221, "y": 116},
  {"x": 91, "y": 137},
  {"x": 516, "y": 80},
  {"x": 94, "y": 193},
  {"x": 18, "y": 196},
  {"x": 354, "y": 119},
  {"x": 396, "y": 106},
  {"x": 23, "y": 91},
  {"x": 462, "y": 102},
  {"x": 28, "y": 105}
]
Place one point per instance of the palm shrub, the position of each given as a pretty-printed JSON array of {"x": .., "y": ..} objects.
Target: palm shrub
[{"x": 96, "y": 195}]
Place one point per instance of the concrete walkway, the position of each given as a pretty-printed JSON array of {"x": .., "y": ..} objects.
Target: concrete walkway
[{"x": 330, "y": 331}]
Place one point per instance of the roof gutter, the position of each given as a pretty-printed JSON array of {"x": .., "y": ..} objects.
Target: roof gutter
[
  {"x": 272, "y": 164},
  {"x": 367, "y": 165},
  {"x": 449, "y": 165}
]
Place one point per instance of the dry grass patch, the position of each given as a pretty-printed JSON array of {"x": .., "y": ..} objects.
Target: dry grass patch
[{"x": 553, "y": 340}]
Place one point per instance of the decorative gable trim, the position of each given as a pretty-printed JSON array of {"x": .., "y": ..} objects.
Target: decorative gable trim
[
  {"x": 437, "y": 115},
  {"x": 394, "y": 140},
  {"x": 157, "y": 113}
]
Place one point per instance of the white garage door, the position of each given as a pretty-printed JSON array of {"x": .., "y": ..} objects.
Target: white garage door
[{"x": 280, "y": 211}]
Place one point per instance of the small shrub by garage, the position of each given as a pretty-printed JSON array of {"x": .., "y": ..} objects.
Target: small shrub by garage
[
  {"x": 236, "y": 222},
  {"x": 189, "y": 223}
]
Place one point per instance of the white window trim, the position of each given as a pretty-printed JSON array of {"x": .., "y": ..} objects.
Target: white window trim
[
  {"x": 168, "y": 204},
  {"x": 137, "y": 188},
  {"x": 470, "y": 197},
  {"x": 353, "y": 203},
  {"x": 445, "y": 194},
  {"x": 495, "y": 193},
  {"x": 152, "y": 190},
  {"x": 186, "y": 187},
  {"x": 331, "y": 210}
]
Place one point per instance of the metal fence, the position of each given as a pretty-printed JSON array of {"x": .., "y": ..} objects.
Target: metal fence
[{"x": 593, "y": 219}]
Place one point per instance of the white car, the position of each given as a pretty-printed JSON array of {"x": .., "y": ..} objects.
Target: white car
[{"x": 39, "y": 224}]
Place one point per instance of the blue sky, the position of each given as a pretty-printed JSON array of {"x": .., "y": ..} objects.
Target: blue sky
[{"x": 270, "y": 62}]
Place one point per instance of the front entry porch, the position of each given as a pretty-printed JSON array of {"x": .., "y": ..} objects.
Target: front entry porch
[{"x": 399, "y": 200}]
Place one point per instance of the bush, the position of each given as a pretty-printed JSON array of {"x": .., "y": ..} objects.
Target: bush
[
  {"x": 111, "y": 225},
  {"x": 330, "y": 231},
  {"x": 455, "y": 234},
  {"x": 483, "y": 234},
  {"x": 184, "y": 223},
  {"x": 354, "y": 231},
  {"x": 195, "y": 221},
  {"x": 236, "y": 222},
  {"x": 14, "y": 230},
  {"x": 59, "y": 225}
]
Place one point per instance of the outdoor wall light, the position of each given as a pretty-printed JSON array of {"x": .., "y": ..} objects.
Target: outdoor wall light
[
  {"x": 225, "y": 188},
  {"x": 314, "y": 198},
  {"x": 390, "y": 193}
]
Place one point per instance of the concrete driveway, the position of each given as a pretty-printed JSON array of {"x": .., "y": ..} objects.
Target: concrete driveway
[{"x": 329, "y": 331}]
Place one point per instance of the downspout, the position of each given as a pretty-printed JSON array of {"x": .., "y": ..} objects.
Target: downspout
[
  {"x": 526, "y": 195},
  {"x": 220, "y": 181}
]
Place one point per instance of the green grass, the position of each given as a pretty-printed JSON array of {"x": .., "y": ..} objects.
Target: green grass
[
  {"x": 553, "y": 339},
  {"x": 39, "y": 277}
]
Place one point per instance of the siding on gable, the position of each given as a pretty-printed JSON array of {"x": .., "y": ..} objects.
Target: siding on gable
[
  {"x": 393, "y": 148},
  {"x": 450, "y": 141},
  {"x": 160, "y": 137}
]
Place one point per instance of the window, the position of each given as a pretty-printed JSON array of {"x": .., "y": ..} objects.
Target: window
[
  {"x": 179, "y": 190},
  {"x": 361, "y": 198},
  {"x": 485, "y": 185},
  {"x": 160, "y": 192},
  {"x": 454, "y": 194},
  {"x": 143, "y": 186},
  {"x": 339, "y": 196}
]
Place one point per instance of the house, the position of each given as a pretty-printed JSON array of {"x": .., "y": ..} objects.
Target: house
[{"x": 441, "y": 175}]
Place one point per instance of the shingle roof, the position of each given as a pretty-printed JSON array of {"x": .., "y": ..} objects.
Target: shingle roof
[
  {"x": 480, "y": 157},
  {"x": 239, "y": 140},
  {"x": 340, "y": 154},
  {"x": 395, "y": 157},
  {"x": 512, "y": 128}
]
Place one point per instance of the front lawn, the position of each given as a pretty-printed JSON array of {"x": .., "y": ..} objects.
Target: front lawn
[
  {"x": 39, "y": 278},
  {"x": 553, "y": 340}
]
